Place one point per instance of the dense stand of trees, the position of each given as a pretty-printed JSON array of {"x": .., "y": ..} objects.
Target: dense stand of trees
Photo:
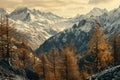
[
  {"x": 14, "y": 51},
  {"x": 59, "y": 66}
]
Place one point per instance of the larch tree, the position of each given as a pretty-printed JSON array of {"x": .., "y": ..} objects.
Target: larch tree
[
  {"x": 115, "y": 40},
  {"x": 105, "y": 53},
  {"x": 21, "y": 56},
  {"x": 54, "y": 58},
  {"x": 46, "y": 72},
  {"x": 99, "y": 48},
  {"x": 70, "y": 66},
  {"x": 6, "y": 35}
]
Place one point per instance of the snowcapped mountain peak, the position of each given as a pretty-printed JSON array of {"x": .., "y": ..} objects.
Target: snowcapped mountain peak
[
  {"x": 96, "y": 12},
  {"x": 26, "y": 14},
  {"x": 117, "y": 10},
  {"x": 96, "y": 9},
  {"x": 35, "y": 11},
  {"x": 21, "y": 9},
  {"x": 22, "y": 14},
  {"x": 80, "y": 34},
  {"x": 35, "y": 24}
]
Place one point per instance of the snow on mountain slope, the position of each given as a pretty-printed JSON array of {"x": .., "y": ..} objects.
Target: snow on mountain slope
[
  {"x": 79, "y": 35},
  {"x": 37, "y": 26},
  {"x": 96, "y": 12},
  {"x": 75, "y": 20},
  {"x": 112, "y": 73},
  {"x": 25, "y": 14},
  {"x": 111, "y": 21}
]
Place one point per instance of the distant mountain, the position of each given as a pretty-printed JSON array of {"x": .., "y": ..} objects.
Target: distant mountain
[
  {"x": 96, "y": 12},
  {"x": 79, "y": 34},
  {"x": 26, "y": 14},
  {"x": 110, "y": 21},
  {"x": 75, "y": 20},
  {"x": 37, "y": 26}
]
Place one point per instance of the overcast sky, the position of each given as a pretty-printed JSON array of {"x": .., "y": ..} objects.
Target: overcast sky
[{"x": 65, "y": 8}]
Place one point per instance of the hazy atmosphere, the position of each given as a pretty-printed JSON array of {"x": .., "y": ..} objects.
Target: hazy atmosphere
[{"x": 65, "y": 8}]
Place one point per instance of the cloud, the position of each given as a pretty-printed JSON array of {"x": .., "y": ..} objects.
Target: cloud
[
  {"x": 40, "y": 3},
  {"x": 9, "y": 3},
  {"x": 98, "y": 1},
  {"x": 15, "y": 0},
  {"x": 52, "y": 3},
  {"x": 60, "y": 7}
]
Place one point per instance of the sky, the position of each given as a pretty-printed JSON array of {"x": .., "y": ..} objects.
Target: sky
[{"x": 63, "y": 8}]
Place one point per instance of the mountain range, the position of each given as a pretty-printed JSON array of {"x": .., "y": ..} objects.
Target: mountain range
[
  {"x": 38, "y": 26},
  {"x": 80, "y": 33}
]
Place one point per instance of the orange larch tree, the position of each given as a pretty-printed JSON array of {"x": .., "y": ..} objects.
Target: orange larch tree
[
  {"x": 70, "y": 66},
  {"x": 99, "y": 48}
]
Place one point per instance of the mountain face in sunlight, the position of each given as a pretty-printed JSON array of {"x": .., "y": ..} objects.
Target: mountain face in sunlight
[
  {"x": 38, "y": 26},
  {"x": 80, "y": 33},
  {"x": 95, "y": 41}
]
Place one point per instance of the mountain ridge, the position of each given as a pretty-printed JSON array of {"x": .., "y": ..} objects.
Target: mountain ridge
[
  {"x": 36, "y": 25},
  {"x": 108, "y": 22},
  {"x": 39, "y": 26}
]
